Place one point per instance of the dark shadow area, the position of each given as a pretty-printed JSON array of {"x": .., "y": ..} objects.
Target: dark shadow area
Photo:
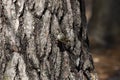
[
  {"x": 115, "y": 76},
  {"x": 104, "y": 30}
]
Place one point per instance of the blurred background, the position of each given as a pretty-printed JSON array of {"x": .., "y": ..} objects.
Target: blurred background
[{"x": 103, "y": 18}]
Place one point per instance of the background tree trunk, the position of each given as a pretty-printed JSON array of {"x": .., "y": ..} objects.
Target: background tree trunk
[
  {"x": 104, "y": 23},
  {"x": 44, "y": 40}
]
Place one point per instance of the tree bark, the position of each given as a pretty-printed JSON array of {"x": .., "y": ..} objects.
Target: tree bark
[{"x": 44, "y": 40}]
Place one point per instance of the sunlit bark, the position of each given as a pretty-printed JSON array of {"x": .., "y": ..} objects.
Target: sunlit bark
[{"x": 44, "y": 40}]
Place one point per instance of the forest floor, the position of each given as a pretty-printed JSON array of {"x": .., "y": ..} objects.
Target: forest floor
[{"x": 107, "y": 63}]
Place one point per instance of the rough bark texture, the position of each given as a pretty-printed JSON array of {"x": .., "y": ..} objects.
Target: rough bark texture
[{"x": 44, "y": 40}]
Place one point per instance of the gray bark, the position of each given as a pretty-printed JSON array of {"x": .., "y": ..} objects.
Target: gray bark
[{"x": 44, "y": 40}]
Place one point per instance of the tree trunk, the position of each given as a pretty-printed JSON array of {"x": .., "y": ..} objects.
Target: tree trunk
[
  {"x": 104, "y": 23},
  {"x": 44, "y": 40}
]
